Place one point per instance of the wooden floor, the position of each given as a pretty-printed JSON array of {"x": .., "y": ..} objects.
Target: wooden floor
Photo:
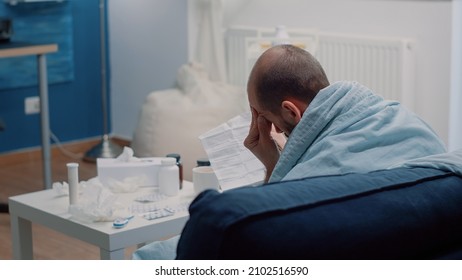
[{"x": 22, "y": 173}]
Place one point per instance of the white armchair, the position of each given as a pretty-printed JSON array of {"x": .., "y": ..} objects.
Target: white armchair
[{"x": 171, "y": 120}]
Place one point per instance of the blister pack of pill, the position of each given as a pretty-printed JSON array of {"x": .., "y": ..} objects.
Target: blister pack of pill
[
  {"x": 164, "y": 212},
  {"x": 180, "y": 207},
  {"x": 141, "y": 208}
]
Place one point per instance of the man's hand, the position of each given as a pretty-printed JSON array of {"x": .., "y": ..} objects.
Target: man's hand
[{"x": 261, "y": 144}]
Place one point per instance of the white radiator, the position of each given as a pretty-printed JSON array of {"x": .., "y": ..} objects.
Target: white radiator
[
  {"x": 244, "y": 45},
  {"x": 385, "y": 65}
]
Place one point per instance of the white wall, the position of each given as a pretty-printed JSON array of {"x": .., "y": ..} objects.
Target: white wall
[
  {"x": 455, "y": 128},
  {"x": 427, "y": 22},
  {"x": 148, "y": 42}
]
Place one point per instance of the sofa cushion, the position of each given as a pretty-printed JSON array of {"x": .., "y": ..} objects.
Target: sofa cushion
[{"x": 403, "y": 213}]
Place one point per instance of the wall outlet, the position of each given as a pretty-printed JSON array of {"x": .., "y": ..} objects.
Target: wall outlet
[{"x": 32, "y": 105}]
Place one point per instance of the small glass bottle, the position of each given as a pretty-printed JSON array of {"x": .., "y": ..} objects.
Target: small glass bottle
[
  {"x": 180, "y": 166},
  {"x": 169, "y": 183}
]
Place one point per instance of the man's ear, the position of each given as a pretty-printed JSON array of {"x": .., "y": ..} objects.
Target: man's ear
[{"x": 291, "y": 112}]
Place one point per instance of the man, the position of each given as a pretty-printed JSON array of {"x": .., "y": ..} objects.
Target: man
[{"x": 331, "y": 129}]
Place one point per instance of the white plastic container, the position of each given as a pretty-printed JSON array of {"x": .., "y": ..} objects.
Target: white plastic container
[
  {"x": 282, "y": 37},
  {"x": 169, "y": 181},
  {"x": 73, "y": 181}
]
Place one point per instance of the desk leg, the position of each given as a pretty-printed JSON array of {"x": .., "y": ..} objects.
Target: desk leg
[
  {"x": 113, "y": 255},
  {"x": 45, "y": 121},
  {"x": 21, "y": 236}
]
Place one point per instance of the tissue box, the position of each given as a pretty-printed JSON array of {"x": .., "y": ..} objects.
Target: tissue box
[{"x": 110, "y": 168}]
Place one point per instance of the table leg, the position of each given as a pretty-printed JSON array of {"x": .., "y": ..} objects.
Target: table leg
[
  {"x": 112, "y": 255},
  {"x": 45, "y": 121},
  {"x": 21, "y": 236}
]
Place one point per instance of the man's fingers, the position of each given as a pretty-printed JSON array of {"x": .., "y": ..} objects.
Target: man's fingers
[
  {"x": 252, "y": 138},
  {"x": 264, "y": 126},
  {"x": 254, "y": 116}
]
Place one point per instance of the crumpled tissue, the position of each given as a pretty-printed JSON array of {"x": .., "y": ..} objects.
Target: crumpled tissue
[
  {"x": 127, "y": 155},
  {"x": 62, "y": 188},
  {"x": 97, "y": 204}
]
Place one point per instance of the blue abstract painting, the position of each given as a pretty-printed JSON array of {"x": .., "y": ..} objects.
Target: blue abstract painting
[{"x": 41, "y": 23}]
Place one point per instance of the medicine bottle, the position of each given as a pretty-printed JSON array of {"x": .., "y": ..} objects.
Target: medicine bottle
[
  {"x": 73, "y": 181},
  {"x": 169, "y": 182},
  {"x": 180, "y": 166},
  {"x": 203, "y": 162}
]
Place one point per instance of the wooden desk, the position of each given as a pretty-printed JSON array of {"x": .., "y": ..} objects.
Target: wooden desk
[{"x": 22, "y": 49}]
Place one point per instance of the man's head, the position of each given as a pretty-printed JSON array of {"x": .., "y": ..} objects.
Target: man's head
[{"x": 283, "y": 82}]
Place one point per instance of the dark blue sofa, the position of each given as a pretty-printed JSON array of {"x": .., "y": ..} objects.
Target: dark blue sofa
[{"x": 403, "y": 213}]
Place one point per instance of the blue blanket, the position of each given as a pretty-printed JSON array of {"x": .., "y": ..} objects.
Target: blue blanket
[
  {"x": 347, "y": 128},
  {"x": 451, "y": 162}
]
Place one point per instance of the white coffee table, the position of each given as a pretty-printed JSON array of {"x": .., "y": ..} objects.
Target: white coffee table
[{"x": 48, "y": 209}]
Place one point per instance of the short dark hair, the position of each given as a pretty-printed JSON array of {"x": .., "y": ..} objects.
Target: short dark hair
[{"x": 295, "y": 73}]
